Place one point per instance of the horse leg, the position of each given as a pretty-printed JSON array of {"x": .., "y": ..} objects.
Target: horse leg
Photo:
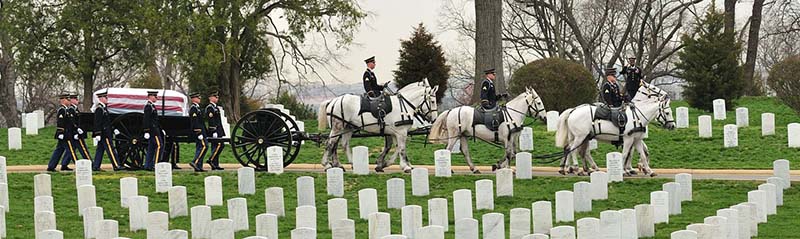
[
  {"x": 330, "y": 153},
  {"x": 581, "y": 146},
  {"x": 644, "y": 161},
  {"x": 627, "y": 150},
  {"x": 565, "y": 159},
  {"x": 465, "y": 151},
  {"x": 589, "y": 166},
  {"x": 401, "y": 147},
  {"x": 387, "y": 145},
  {"x": 345, "y": 143}
]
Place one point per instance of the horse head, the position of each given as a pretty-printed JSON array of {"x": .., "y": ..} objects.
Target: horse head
[
  {"x": 649, "y": 93},
  {"x": 422, "y": 98}
]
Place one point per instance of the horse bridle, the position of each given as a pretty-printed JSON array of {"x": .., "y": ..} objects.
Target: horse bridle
[
  {"x": 663, "y": 98},
  {"x": 418, "y": 113},
  {"x": 532, "y": 110}
]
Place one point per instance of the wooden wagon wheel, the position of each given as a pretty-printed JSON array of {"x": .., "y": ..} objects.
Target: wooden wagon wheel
[
  {"x": 130, "y": 143},
  {"x": 258, "y": 130}
]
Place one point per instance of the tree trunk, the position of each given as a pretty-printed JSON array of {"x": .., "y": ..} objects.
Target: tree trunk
[
  {"x": 488, "y": 44},
  {"x": 235, "y": 90},
  {"x": 730, "y": 16},
  {"x": 8, "y": 77},
  {"x": 87, "y": 77},
  {"x": 752, "y": 49}
]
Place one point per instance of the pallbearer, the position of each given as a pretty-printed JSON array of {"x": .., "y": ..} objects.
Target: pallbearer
[
  {"x": 152, "y": 132},
  {"x": 62, "y": 135},
  {"x": 103, "y": 134},
  {"x": 199, "y": 129},
  {"x": 215, "y": 129},
  {"x": 78, "y": 134}
]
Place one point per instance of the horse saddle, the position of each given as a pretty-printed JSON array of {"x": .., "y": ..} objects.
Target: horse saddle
[
  {"x": 614, "y": 114},
  {"x": 491, "y": 118},
  {"x": 377, "y": 106}
]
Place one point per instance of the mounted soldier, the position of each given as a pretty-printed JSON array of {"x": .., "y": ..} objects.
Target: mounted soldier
[
  {"x": 371, "y": 86},
  {"x": 610, "y": 89},
  {"x": 633, "y": 78}
]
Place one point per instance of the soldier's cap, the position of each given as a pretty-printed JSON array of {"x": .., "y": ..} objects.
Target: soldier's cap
[
  {"x": 194, "y": 95},
  {"x": 631, "y": 57},
  {"x": 73, "y": 96},
  {"x": 63, "y": 96},
  {"x": 213, "y": 93},
  {"x": 102, "y": 94},
  {"x": 152, "y": 93},
  {"x": 611, "y": 71},
  {"x": 489, "y": 71},
  {"x": 370, "y": 59}
]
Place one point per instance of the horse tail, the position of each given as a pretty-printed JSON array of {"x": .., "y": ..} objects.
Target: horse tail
[
  {"x": 439, "y": 128},
  {"x": 562, "y": 134},
  {"x": 322, "y": 115}
]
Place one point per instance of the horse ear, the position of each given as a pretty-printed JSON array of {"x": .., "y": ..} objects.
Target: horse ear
[
  {"x": 435, "y": 89},
  {"x": 425, "y": 81}
]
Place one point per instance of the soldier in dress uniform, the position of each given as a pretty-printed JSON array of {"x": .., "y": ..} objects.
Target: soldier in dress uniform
[
  {"x": 370, "y": 81},
  {"x": 610, "y": 89},
  {"x": 78, "y": 134},
  {"x": 152, "y": 132},
  {"x": 102, "y": 134},
  {"x": 215, "y": 129},
  {"x": 199, "y": 129},
  {"x": 489, "y": 95},
  {"x": 63, "y": 136},
  {"x": 633, "y": 78}
]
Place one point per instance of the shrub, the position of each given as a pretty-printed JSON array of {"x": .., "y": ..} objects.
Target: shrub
[
  {"x": 784, "y": 80},
  {"x": 298, "y": 109},
  {"x": 562, "y": 84}
]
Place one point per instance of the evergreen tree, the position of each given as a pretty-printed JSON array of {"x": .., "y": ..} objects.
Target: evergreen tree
[
  {"x": 422, "y": 57},
  {"x": 709, "y": 63}
]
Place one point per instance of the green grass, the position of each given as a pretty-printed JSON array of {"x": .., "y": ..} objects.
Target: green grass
[
  {"x": 681, "y": 148},
  {"x": 709, "y": 195}
]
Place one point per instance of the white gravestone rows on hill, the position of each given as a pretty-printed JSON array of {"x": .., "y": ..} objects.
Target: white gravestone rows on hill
[
  {"x": 704, "y": 126},
  {"x": 379, "y": 225},
  {"x": 44, "y": 221},
  {"x": 86, "y": 198},
  {"x": 431, "y": 232},
  {"x": 493, "y": 226},
  {"x": 107, "y": 229},
  {"x": 660, "y": 202},
  {"x": 759, "y": 198},
  {"x": 14, "y": 138},
  {"x": 565, "y": 206},
  {"x": 31, "y": 124},
  {"x": 780, "y": 168},
  {"x": 645, "y": 220},
  {"x": 128, "y": 187},
  {"x": 273, "y": 198},
  {"x": 157, "y": 224},
  {"x": 442, "y": 163},
  {"x": 519, "y": 223},
  {"x": 437, "y": 212},
  {"x": 742, "y": 117},
  {"x": 732, "y": 222},
  {"x": 237, "y": 211},
  {"x": 411, "y": 220},
  {"x": 526, "y": 139},
  {"x": 213, "y": 190},
  {"x": 462, "y": 204},
  {"x": 201, "y": 221},
  {"x": 719, "y": 109},
  {"x": 163, "y": 177},
  {"x": 704, "y": 231},
  {"x": 335, "y": 182},
  {"x": 361, "y": 160},
  {"x": 731, "y": 136},
  {"x": 552, "y": 121},
  {"x": 771, "y": 200},
  {"x": 395, "y": 193},
  {"x": 542, "y": 217},
  {"x": 588, "y": 228},
  {"x": 367, "y": 202},
  {"x": 90, "y": 217},
  {"x": 599, "y": 185},
  {"x": 342, "y": 229},
  {"x": 178, "y": 205},
  {"x": 748, "y": 218},
  {"x": 83, "y": 172},
  {"x": 794, "y": 135},
  {"x": 673, "y": 189},
  {"x": 246, "y": 177},
  {"x": 562, "y": 232},
  {"x": 628, "y": 224},
  {"x": 306, "y": 216},
  {"x": 685, "y": 181},
  {"x": 484, "y": 194},
  {"x": 419, "y": 182},
  {"x": 267, "y": 225},
  {"x": 718, "y": 226},
  {"x": 43, "y": 203},
  {"x": 467, "y": 228},
  {"x": 614, "y": 166},
  {"x": 682, "y": 117},
  {"x": 222, "y": 229},
  {"x": 275, "y": 159},
  {"x": 767, "y": 124},
  {"x": 778, "y": 189},
  {"x": 137, "y": 211},
  {"x": 583, "y": 197},
  {"x": 337, "y": 210},
  {"x": 42, "y": 185},
  {"x": 504, "y": 179},
  {"x": 305, "y": 191},
  {"x": 524, "y": 165},
  {"x": 610, "y": 224}
]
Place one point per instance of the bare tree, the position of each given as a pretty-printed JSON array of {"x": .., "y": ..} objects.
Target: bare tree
[
  {"x": 752, "y": 49},
  {"x": 488, "y": 43},
  {"x": 8, "y": 73}
]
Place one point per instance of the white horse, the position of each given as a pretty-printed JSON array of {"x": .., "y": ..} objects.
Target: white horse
[
  {"x": 456, "y": 124},
  {"x": 577, "y": 126},
  {"x": 414, "y": 101}
]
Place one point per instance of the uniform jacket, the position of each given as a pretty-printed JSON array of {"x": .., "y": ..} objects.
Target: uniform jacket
[
  {"x": 102, "y": 122},
  {"x": 371, "y": 83},
  {"x": 150, "y": 122},
  {"x": 214, "y": 120},
  {"x": 610, "y": 93},
  {"x": 633, "y": 78},
  {"x": 488, "y": 94},
  {"x": 196, "y": 118},
  {"x": 63, "y": 123}
]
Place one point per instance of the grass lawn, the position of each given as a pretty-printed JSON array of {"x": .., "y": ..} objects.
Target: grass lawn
[
  {"x": 669, "y": 149},
  {"x": 709, "y": 195}
]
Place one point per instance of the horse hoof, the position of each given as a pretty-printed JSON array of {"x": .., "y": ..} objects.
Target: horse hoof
[
  {"x": 494, "y": 167},
  {"x": 633, "y": 172},
  {"x": 581, "y": 174},
  {"x": 407, "y": 170},
  {"x": 379, "y": 170},
  {"x": 653, "y": 174},
  {"x": 342, "y": 167},
  {"x": 561, "y": 171},
  {"x": 476, "y": 171}
]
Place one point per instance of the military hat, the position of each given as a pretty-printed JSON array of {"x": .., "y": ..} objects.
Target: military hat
[
  {"x": 213, "y": 93},
  {"x": 611, "y": 71},
  {"x": 73, "y": 95},
  {"x": 194, "y": 95},
  {"x": 370, "y": 59},
  {"x": 102, "y": 94},
  {"x": 631, "y": 57},
  {"x": 152, "y": 93},
  {"x": 489, "y": 71},
  {"x": 63, "y": 96}
]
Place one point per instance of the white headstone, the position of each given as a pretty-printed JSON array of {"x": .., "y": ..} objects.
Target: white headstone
[
  {"x": 305, "y": 191},
  {"x": 562, "y": 232},
  {"x": 431, "y": 232},
  {"x": 759, "y": 197},
  {"x": 14, "y": 138},
  {"x": 394, "y": 237},
  {"x": 304, "y": 233},
  {"x": 237, "y": 211},
  {"x": 704, "y": 126},
  {"x": 683, "y": 234},
  {"x": 628, "y": 224},
  {"x": 526, "y": 139},
  {"x": 719, "y": 109},
  {"x": 395, "y": 193},
  {"x": 731, "y": 222},
  {"x": 467, "y": 228},
  {"x": 213, "y": 190},
  {"x": 552, "y": 121},
  {"x": 462, "y": 204},
  {"x": 610, "y": 224},
  {"x": 583, "y": 197},
  {"x": 745, "y": 221},
  {"x": 163, "y": 177},
  {"x": 335, "y": 182},
  {"x": 794, "y": 135},
  {"x": 682, "y": 117},
  {"x": 614, "y": 165},
  {"x": 31, "y": 124},
  {"x": 767, "y": 124},
  {"x": 599, "y": 185},
  {"x": 361, "y": 160},
  {"x": 267, "y": 225},
  {"x": 106, "y": 229},
  {"x": 588, "y": 228},
  {"x": 542, "y": 217},
  {"x": 731, "y": 137},
  {"x": 771, "y": 200},
  {"x": 222, "y": 229},
  {"x": 778, "y": 189},
  {"x": 137, "y": 212},
  {"x": 367, "y": 202},
  {"x": 3, "y": 170},
  {"x": 704, "y": 231},
  {"x": 51, "y": 234},
  {"x": 565, "y": 209},
  {"x": 44, "y": 221},
  {"x": 419, "y": 182},
  {"x": 86, "y": 198},
  {"x": 685, "y": 181},
  {"x": 593, "y": 144},
  {"x": 718, "y": 226},
  {"x": 41, "y": 185},
  {"x": 3, "y": 222},
  {"x": 343, "y": 229},
  {"x": 201, "y": 221},
  {"x": 379, "y": 225},
  {"x": 674, "y": 190},
  {"x": 128, "y": 187},
  {"x": 493, "y": 226},
  {"x": 660, "y": 202},
  {"x": 83, "y": 172},
  {"x": 4, "y": 201},
  {"x": 484, "y": 194},
  {"x": 504, "y": 178},
  {"x": 442, "y": 163},
  {"x": 524, "y": 165},
  {"x": 306, "y": 216},
  {"x": 157, "y": 224},
  {"x": 437, "y": 213},
  {"x": 411, "y": 220},
  {"x": 537, "y": 236},
  {"x": 645, "y": 220},
  {"x": 337, "y": 210},
  {"x": 91, "y": 216},
  {"x": 40, "y": 117},
  {"x": 752, "y": 210},
  {"x": 43, "y": 203},
  {"x": 247, "y": 180},
  {"x": 178, "y": 205},
  {"x": 780, "y": 168},
  {"x": 519, "y": 222},
  {"x": 273, "y": 198},
  {"x": 177, "y": 234},
  {"x": 742, "y": 117},
  {"x": 275, "y": 159}
]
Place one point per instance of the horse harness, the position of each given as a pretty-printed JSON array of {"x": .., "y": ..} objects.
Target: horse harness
[
  {"x": 492, "y": 120},
  {"x": 379, "y": 108},
  {"x": 618, "y": 117}
]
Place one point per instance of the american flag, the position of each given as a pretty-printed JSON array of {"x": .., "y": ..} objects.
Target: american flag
[{"x": 127, "y": 100}]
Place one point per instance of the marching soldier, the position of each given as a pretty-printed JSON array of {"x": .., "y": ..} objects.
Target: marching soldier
[
  {"x": 610, "y": 89},
  {"x": 370, "y": 81},
  {"x": 78, "y": 134},
  {"x": 488, "y": 92},
  {"x": 199, "y": 129},
  {"x": 152, "y": 132},
  {"x": 62, "y": 135},
  {"x": 102, "y": 135},
  {"x": 633, "y": 78},
  {"x": 215, "y": 129}
]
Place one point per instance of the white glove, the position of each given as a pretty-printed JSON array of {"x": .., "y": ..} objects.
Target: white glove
[
  {"x": 97, "y": 138},
  {"x": 163, "y": 132},
  {"x": 60, "y": 136},
  {"x": 215, "y": 135},
  {"x": 80, "y": 131},
  {"x": 116, "y": 132},
  {"x": 146, "y": 135},
  {"x": 75, "y": 137},
  {"x": 200, "y": 137}
]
